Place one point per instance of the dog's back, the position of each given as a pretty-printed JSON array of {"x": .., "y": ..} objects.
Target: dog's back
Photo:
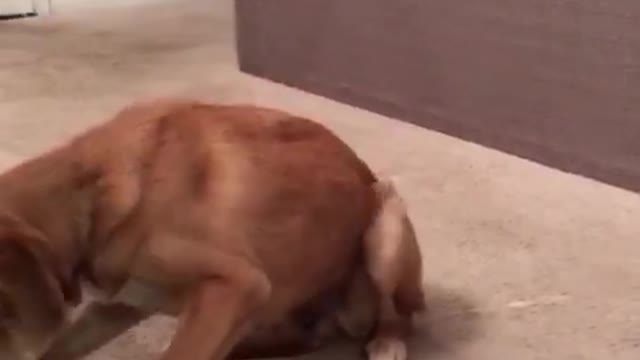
[{"x": 282, "y": 189}]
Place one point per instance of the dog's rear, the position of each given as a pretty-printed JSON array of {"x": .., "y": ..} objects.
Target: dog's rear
[
  {"x": 393, "y": 255},
  {"x": 381, "y": 297},
  {"x": 394, "y": 265},
  {"x": 384, "y": 296}
]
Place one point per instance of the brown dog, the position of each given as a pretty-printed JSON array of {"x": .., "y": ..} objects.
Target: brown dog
[{"x": 260, "y": 230}]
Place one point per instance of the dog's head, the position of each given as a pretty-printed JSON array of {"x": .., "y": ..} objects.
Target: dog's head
[{"x": 32, "y": 307}]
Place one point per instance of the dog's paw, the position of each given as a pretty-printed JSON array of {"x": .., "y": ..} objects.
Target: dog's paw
[{"x": 387, "y": 349}]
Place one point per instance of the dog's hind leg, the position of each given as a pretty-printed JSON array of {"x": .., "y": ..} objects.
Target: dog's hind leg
[{"x": 394, "y": 264}]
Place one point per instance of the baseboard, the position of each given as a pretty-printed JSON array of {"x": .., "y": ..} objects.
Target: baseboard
[{"x": 17, "y": 16}]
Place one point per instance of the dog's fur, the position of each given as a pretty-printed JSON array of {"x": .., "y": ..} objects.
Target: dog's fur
[{"x": 262, "y": 231}]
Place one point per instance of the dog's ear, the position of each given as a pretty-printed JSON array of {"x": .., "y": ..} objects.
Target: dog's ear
[
  {"x": 19, "y": 257},
  {"x": 7, "y": 348},
  {"x": 30, "y": 294},
  {"x": 15, "y": 252}
]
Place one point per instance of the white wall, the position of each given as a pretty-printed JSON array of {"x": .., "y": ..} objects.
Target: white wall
[
  {"x": 70, "y": 5},
  {"x": 24, "y": 6},
  {"x": 65, "y": 6},
  {"x": 15, "y": 6}
]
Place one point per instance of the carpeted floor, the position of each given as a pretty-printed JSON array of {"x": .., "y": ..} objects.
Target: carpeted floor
[{"x": 522, "y": 262}]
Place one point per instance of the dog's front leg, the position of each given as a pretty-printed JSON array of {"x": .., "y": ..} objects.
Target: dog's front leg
[
  {"x": 218, "y": 313},
  {"x": 98, "y": 324}
]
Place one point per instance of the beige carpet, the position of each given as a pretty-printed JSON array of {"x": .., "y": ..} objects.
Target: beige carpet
[{"x": 523, "y": 262}]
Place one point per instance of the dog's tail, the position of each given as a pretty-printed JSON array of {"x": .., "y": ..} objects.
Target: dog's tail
[{"x": 394, "y": 261}]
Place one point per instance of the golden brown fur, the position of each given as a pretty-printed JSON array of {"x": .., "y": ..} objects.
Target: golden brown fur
[{"x": 237, "y": 219}]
